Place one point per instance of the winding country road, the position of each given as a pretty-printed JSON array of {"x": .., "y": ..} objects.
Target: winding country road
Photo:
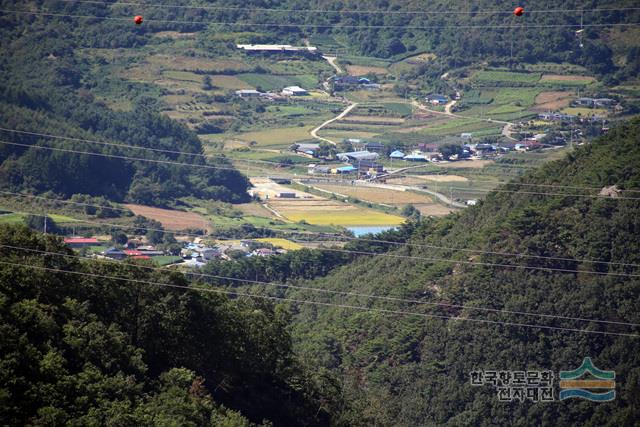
[
  {"x": 332, "y": 61},
  {"x": 314, "y": 132},
  {"x": 506, "y": 130}
]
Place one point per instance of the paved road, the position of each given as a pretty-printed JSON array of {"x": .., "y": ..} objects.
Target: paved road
[{"x": 314, "y": 132}]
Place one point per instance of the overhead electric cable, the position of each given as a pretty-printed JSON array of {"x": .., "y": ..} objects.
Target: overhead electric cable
[
  {"x": 303, "y": 301},
  {"x": 333, "y": 292}
]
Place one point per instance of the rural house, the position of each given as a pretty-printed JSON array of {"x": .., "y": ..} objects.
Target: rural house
[
  {"x": 356, "y": 156},
  {"x": 294, "y": 91},
  {"x": 436, "y": 99}
]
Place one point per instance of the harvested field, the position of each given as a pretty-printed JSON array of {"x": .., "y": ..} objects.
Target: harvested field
[
  {"x": 553, "y": 100},
  {"x": 566, "y": 78},
  {"x": 373, "y": 120},
  {"x": 433, "y": 209},
  {"x": 467, "y": 164},
  {"x": 421, "y": 179},
  {"x": 377, "y": 195},
  {"x": 171, "y": 219},
  {"x": 186, "y": 63},
  {"x": 361, "y": 70},
  {"x": 348, "y": 217}
]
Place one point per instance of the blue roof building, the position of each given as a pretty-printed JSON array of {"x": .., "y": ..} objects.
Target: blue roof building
[{"x": 397, "y": 154}]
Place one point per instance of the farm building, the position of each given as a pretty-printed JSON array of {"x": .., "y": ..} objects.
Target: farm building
[
  {"x": 415, "y": 158},
  {"x": 294, "y": 91},
  {"x": 113, "y": 253},
  {"x": 595, "y": 102},
  {"x": 466, "y": 135},
  {"x": 355, "y": 156},
  {"x": 436, "y": 99},
  {"x": 351, "y": 81},
  {"x": 397, "y": 155},
  {"x": 369, "y": 167},
  {"x": 374, "y": 146},
  {"x": 309, "y": 149},
  {"x": 314, "y": 169},
  {"x": 80, "y": 242},
  {"x": 604, "y": 102},
  {"x": 344, "y": 169},
  {"x": 287, "y": 195},
  {"x": 556, "y": 117},
  {"x": 426, "y": 147},
  {"x": 277, "y": 48},
  {"x": 248, "y": 93}
]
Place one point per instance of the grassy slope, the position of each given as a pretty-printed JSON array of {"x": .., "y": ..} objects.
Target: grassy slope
[{"x": 415, "y": 371}]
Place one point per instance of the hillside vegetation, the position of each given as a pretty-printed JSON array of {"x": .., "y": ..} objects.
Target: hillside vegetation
[
  {"x": 88, "y": 348},
  {"x": 411, "y": 370},
  {"x": 46, "y": 88}
]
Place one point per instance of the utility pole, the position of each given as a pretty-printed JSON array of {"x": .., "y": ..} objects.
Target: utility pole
[{"x": 45, "y": 223}]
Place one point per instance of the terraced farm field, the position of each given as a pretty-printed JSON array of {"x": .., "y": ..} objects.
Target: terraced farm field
[
  {"x": 276, "y": 136},
  {"x": 422, "y": 202}
]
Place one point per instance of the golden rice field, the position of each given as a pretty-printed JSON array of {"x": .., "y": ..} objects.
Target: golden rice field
[{"x": 346, "y": 218}]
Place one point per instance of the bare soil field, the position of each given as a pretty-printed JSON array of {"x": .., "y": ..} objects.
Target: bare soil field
[
  {"x": 553, "y": 100},
  {"x": 172, "y": 219},
  {"x": 361, "y": 70}
]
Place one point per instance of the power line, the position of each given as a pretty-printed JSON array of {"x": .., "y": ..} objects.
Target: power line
[
  {"x": 416, "y": 258},
  {"x": 222, "y": 156},
  {"x": 355, "y": 11},
  {"x": 591, "y": 196},
  {"x": 336, "y": 236},
  {"x": 136, "y": 147},
  {"x": 334, "y": 292},
  {"x": 115, "y": 156},
  {"x": 274, "y": 24},
  {"x": 303, "y": 301},
  {"x": 204, "y": 166}
]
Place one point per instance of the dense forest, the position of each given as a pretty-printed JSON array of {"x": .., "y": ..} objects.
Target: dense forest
[
  {"x": 408, "y": 370},
  {"x": 109, "y": 344}
]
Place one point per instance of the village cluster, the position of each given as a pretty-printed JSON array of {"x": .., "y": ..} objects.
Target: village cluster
[{"x": 193, "y": 253}]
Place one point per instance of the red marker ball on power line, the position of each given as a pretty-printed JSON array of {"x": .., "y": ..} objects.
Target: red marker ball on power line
[
  {"x": 518, "y": 11},
  {"x": 138, "y": 20}
]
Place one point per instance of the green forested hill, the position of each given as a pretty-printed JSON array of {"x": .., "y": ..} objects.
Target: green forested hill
[
  {"x": 404, "y": 370},
  {"x": 82, "y": 349},
  {"x": 46, "y": 87}
]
